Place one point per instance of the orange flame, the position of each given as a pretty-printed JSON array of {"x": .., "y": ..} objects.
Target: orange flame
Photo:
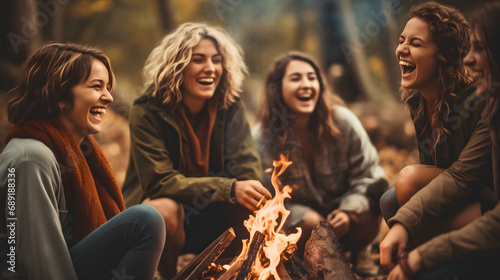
[{"x": 266, "y": 221}]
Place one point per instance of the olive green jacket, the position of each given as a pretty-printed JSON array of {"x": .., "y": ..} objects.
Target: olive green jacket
[
  {"x": 478, "y": 164},
  {"x": 463, "y": 115},
  {"x": 156, "y": 155}
]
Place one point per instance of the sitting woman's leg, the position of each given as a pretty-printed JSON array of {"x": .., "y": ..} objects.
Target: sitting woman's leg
[
  {"x": 309, "y": 220},
  {"x": 389, "y": 204},
  {"x": 363, "y": 230},
  {"x": 128, "y": 245},
  {"x": 413, "y": 178},
  {"x": 173, "y": 215},
  {"x": 456, "y": 220}
]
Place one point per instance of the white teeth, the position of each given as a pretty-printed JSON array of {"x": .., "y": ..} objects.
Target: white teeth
[
  {"x": 406, "y": 63},
  {"x": 477, "y": 74},
  {"x": 98, "y": 110},
  {"x": 206, "y": 80}
]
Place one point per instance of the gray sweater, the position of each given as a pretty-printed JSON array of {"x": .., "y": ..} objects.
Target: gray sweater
[
  {"x": 40, "y": 224},
  {"x": 344, "y": 171}
]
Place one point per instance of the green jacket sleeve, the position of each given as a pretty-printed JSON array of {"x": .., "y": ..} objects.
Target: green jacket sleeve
[
  {"x": 155, "y": 168},
  {"x": 448, "y": 190},
  {"x": 241, "y": 159}
]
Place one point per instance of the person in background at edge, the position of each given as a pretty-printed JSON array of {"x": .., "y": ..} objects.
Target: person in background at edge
[
  {"x": 471, "y": 252},
  {"x": 436, "y": 87},
  {"x": 192, "y": 154},
  {"x": 335, "y": 166},
  {"x": 61, "y": 202}
]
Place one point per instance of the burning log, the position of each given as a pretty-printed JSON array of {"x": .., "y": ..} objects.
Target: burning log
[
  {"x": 288, "y": 252},
  {"x": 205, "y": 258},
  {"x": 323, "y": 256},
  {"x": 253, "y": 250}
]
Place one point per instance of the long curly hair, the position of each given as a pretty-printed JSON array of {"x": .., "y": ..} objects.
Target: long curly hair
[
  {"x": 275, "y": 116},
  {"x": 451, "y": 33},
  {"x": 164, "y": 66}
]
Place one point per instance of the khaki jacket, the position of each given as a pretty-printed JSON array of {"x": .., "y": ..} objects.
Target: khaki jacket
[
  {"x": 478, "y": 164},
  {"x": 464, "y": 114},
  {"x": 156, "y": 155}
]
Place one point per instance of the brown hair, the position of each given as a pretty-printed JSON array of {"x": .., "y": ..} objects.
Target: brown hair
[
  {"x": 451, "y": 33},
  {"x": 48, "y": 78},
  {"x": 485, "y": 21},
  {"x": 322, "y": 122}
]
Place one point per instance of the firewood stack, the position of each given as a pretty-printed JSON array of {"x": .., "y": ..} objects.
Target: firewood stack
[{"x": 323, "y": 256}]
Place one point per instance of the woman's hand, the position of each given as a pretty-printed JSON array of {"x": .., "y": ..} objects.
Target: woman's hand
[
  {"x": 251, "y": 194},
  {"x": 340, "y": 221},
  {"x": 414, "y": 264},
  {"x": 396, "y": 239}
]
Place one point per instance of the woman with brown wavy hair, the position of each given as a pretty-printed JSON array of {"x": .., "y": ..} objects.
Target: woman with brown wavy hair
[
  {"x": 436, "y": 88},
  {"x": 335, "y": 166}
]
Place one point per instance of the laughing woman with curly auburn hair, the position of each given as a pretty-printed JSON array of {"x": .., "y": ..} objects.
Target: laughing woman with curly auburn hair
[
  {"x": 192, "y": 155},
  {"x": 437, "y": 89},
  {"x": 473, "y": 251}
]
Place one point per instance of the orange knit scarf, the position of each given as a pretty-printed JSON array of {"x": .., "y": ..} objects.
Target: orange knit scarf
[
  {"x": 91, "y": 190},
  {"x": 196, "y": 139}
]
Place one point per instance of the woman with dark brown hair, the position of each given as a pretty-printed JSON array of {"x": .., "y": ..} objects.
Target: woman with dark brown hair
[
  {"x": 62, "y": 205},
  {"x": 471, "y": 252},
  {"x": 335, "y": 166},
  {"x": 436, "y": 88}
]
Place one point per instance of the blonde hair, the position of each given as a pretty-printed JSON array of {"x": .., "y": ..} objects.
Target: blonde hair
[{"x": 164, "y": 66}]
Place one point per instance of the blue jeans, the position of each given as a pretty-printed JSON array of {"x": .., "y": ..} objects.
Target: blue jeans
[
  {"x": 389, "y": 204},
  {"x": 128, "y": 246}
]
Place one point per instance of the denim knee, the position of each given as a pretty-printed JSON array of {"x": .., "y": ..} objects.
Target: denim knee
[
  {"x": 389, "y": 204},
  {"x": 149, "y": 218}
]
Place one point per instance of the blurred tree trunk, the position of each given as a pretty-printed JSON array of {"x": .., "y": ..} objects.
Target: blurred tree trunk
[
  {"x": 300, "y": 32},
  {"x": 20, "y": 37},
  {"x": 166, "y": 15},
  {"x": 341, "y": 72}
]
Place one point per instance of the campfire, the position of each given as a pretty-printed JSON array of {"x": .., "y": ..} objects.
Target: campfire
[
  {"x": 262, "y": 255},
  {"x": 267, "y": 254}
]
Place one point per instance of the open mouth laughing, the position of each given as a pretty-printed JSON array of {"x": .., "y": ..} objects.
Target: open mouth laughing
[
  {"x": 305, "y": 97},
  {"x": 97, "y": 111},
  {"x": 477, "y": 75},
  {"x": 206, "y": 81},
  {"x": 407, "y": 67}
]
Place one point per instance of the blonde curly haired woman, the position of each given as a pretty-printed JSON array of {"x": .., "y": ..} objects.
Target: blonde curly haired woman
[{"x": 192, "y": 155}]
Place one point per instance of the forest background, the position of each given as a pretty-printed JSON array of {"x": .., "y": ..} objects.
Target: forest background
[{"x": 354, "y": 41}]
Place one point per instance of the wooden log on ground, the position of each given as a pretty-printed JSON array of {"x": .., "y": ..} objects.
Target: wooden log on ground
[
  {"x": 205, "y": 258},
  {"x": 324, "y": 258},
  {"x": 252, "y": 252}
]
